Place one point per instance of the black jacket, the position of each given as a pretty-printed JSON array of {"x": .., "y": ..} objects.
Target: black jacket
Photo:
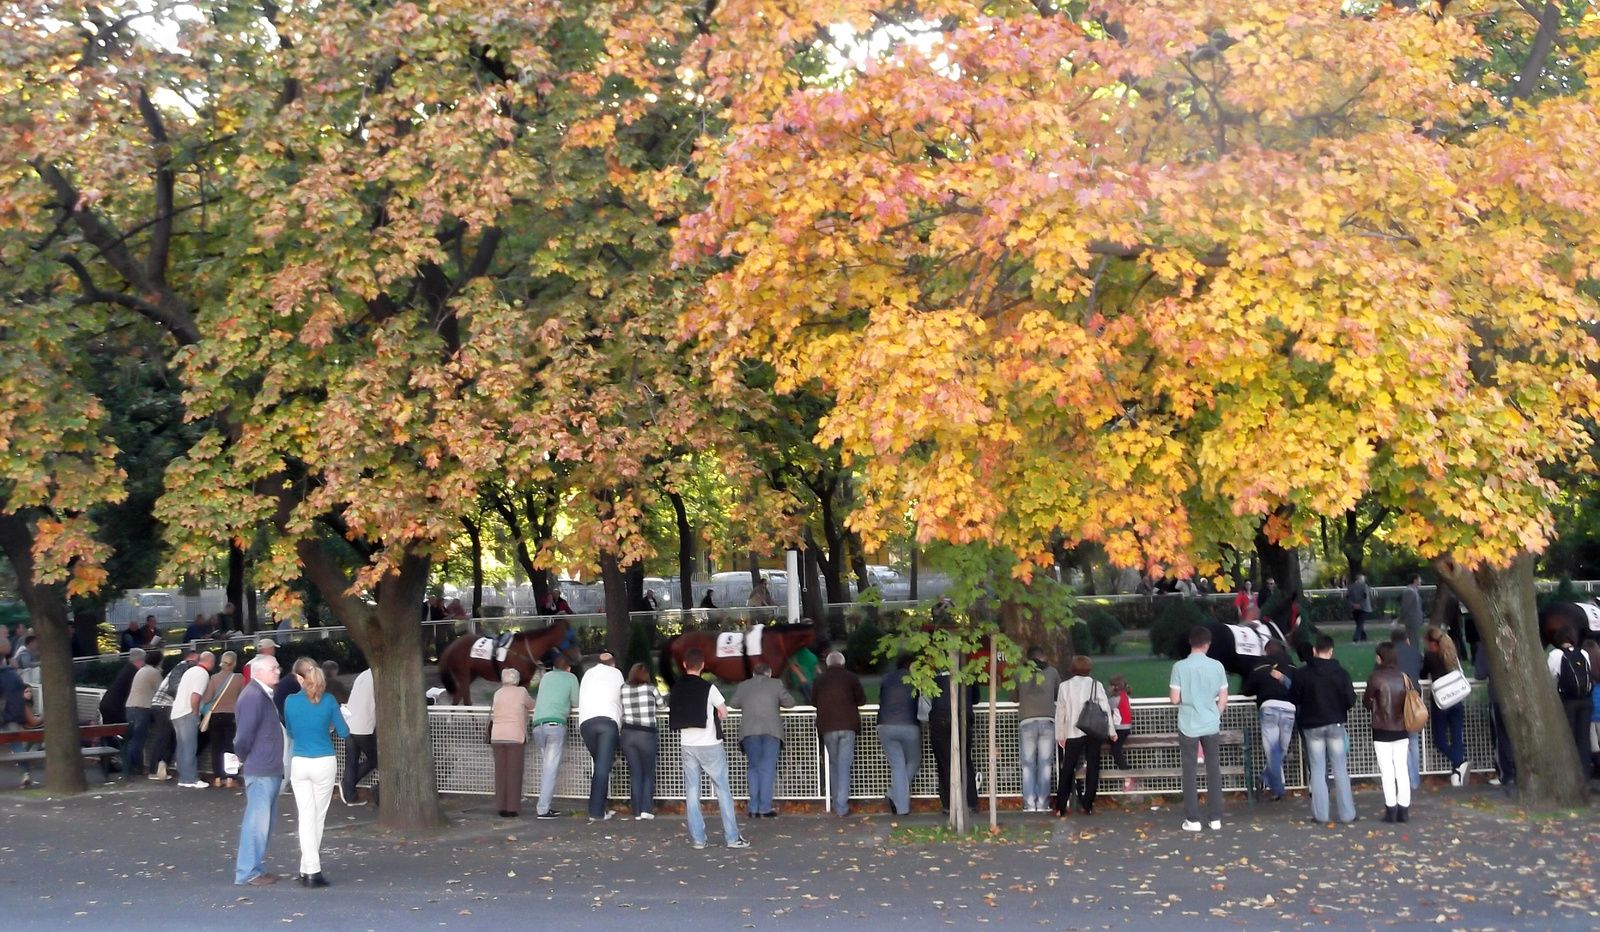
[
  {"x": 1261, "y": 684},
  {"x": 1322, "y": 693}
]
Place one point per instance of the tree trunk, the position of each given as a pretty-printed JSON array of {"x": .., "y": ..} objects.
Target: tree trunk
[
  {"x": 1502, "y": 599},
  {"x": 633, "y": 578},
  {"x": 755, "y": 569},
  {"x": 811, "y": 602},
  {"x": 1028, "y": 629},
  {"x": 829, "y": 565},
  {"x": 615, "y": 582},
  {"x": 994, "y": 750},
  {"x": 47, "y": 612},
  {"x": 391, "y": 638},
  {"x": 858, "y": 563},
  {"x": 913, "y": 576},
  {"x": 236, "y": 582},
  {"x": 251, "y": 618},
  {"x": 685, "y": 553},
  {"x": 958, "y": 761},
  {"x": 1278, "y": 562},
  {"x": 475, "y": 536}
]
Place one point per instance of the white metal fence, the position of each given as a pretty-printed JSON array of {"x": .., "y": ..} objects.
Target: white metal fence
[{"x": 462, "y": 762}]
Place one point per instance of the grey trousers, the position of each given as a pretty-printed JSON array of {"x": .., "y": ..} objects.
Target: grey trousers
[{"x": 1187, "y": 748}]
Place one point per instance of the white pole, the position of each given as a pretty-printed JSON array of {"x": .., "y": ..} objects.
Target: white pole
[{"x": 793, "y": 588}]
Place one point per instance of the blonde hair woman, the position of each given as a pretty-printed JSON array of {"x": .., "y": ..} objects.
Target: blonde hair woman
[
  {"x": 311, "y": 717},
  {"x": 1439, "y": 659}
]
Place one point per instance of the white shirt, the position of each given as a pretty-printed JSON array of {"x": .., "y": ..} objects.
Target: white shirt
[
  {"x": 194, "y": 683},
  {"x": 361, "y": 712},
  {"x": 707, "y": 736},
  {"x": 600, "y": 694}
]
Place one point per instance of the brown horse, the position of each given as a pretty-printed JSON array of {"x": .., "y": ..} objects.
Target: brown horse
[
  {"x": 458, "y": 668},
  {"x": 778, "y": 644}
]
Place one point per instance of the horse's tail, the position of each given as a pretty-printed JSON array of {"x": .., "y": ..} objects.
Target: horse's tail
[{"x": 664, "y": 663}]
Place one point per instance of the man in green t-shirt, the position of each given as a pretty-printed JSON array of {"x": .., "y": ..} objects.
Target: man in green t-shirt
[
  {"x": 558, "y": 691},
  {"x": 803, "y": 669},
  {"x": 1200, "y": 691}
]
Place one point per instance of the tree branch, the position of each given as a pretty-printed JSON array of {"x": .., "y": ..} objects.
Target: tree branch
[
  {"x": 1544, "y": 41},
  {"x": 155, "y": 261}
]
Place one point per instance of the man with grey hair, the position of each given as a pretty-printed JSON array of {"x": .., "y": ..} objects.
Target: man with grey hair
[
  {"x": 838, "y": 697},
  {"x": 265, "y": 647},
  {"x": 143, "y": 689},
  {"x": 258, "y": 743}
]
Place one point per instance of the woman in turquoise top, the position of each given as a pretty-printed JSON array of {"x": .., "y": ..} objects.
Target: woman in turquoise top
[{"x": 311, "y": 717}]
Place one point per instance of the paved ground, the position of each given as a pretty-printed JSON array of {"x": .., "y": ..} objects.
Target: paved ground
[{"x": 150, "y": 856}]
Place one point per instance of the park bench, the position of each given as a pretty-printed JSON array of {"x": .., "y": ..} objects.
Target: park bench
[
  {"x": 1234, "y": 738},
  {"x": 85, "y": 732}
]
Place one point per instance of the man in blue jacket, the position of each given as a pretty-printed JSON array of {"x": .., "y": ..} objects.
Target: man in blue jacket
[{"x": 258, "y": 742}]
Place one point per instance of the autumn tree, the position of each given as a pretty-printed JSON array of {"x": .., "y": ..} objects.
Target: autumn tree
[{"x": 1062, "y": 270}]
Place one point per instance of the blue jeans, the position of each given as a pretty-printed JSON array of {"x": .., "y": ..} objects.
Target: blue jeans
[
  {"x": 1324, "y": 745},
  {"x": 639, "y": 748},
  {"x": 761, "y": 753},
  {"x": 841, "y": 747},
  {"x": 1414, "y": 759},
  {"x": 1036, "y": 742},
  {"x": 186, "y": 731},
  {"x": 712, "y": 761},
  {"x": 551, "y": 739},
  {"x": 902, "y": 746},
  {"x": 260, "y": 809},
  {"x": 1277, "y": 733},
  {"x": 1448, "y": 725},
  {"x": 600, "y": 737},
  {"x": 138, "y": 730}
]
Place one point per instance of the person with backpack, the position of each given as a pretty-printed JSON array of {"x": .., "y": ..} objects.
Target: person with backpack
[{"x": 1569, "y": 667}]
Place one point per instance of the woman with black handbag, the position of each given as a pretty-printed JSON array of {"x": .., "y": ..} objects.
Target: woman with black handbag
[{"x": 1083, "y": 725}]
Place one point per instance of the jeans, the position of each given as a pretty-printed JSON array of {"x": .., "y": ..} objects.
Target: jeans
[
  {"x": 902, "y": 747},
  {"x": 600, "y": 737},
  {"x": 1577, "y": 712},
  {"x": 1188, "y": 751},
  {"x": 311, "y": 778},
  {"x": 639, "y": 747},
  {"x": 161, "y": 737},
  {"x": 1277, "y": 733},
  {"x": 1504, "y": 765},
  {"x": 761, "y": 755},
  {"x": 260, "y": 810},
  {"x": 187, "y": 732},
  {"x": 1392, "y": 768},
  {"x": 138, "y": 730},
  {"x": 1324, "y": 745},
  {"x": 1414, "y": 759},
  {"x": 360, "y": 759},
  {"x": 550, "y": 738},
  {"x": 712, "y": 761},
  {"x": 1088, "y": 750},
  {"x": 1036, "y": 743},
  {"x": 1448, "y": 725},
  {"x": 841, "y": 747}
]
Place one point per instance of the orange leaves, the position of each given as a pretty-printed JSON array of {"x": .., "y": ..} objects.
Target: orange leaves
[{"x": 1219, "y": 272}]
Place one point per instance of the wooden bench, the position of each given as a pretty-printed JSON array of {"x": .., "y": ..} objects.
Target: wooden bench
[
  {"x": 1233, "y": 738},
  {"x": 85, "y": 733}
]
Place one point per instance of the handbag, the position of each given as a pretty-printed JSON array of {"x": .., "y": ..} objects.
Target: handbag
[
  {"x": 1450, "y": 689},
  {"x": 1092, "y": 719},
  {"x": 1415, "y": 716},
  {"x": 205, "y": 713}
]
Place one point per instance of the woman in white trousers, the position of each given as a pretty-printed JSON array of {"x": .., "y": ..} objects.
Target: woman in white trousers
[{"x": 312, "y": 717}]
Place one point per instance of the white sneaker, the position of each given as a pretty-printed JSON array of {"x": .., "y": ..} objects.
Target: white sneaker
[
  {"x": 1191, "y": 826},
  {"x": 1216, "y": 825},
  {"x": 646, "y": 816},
  {"x": 1466, "y": 772},
  {"x": 739, "y": 843},
  {"x": 196, "y": 785}
]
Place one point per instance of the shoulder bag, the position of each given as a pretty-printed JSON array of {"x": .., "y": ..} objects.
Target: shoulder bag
[
  {"x": 1415, "y": 716},
  {"x": 1450, "y": 689},
  {"x": 1092, "y": 719},
  {"x": 205, "y": 713}
]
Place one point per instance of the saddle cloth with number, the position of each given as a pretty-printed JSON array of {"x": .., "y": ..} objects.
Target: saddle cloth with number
[{"x": 739, "y": 643}]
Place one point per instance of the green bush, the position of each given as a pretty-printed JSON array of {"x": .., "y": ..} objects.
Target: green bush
[
  {"x": 1081, "y": 639},
  {"x": 638, "y": 646},
  {"x": 861, "y": 648},
  {"x": 1169, "y": 633},
  {"x": 1101, "y": 631}
]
